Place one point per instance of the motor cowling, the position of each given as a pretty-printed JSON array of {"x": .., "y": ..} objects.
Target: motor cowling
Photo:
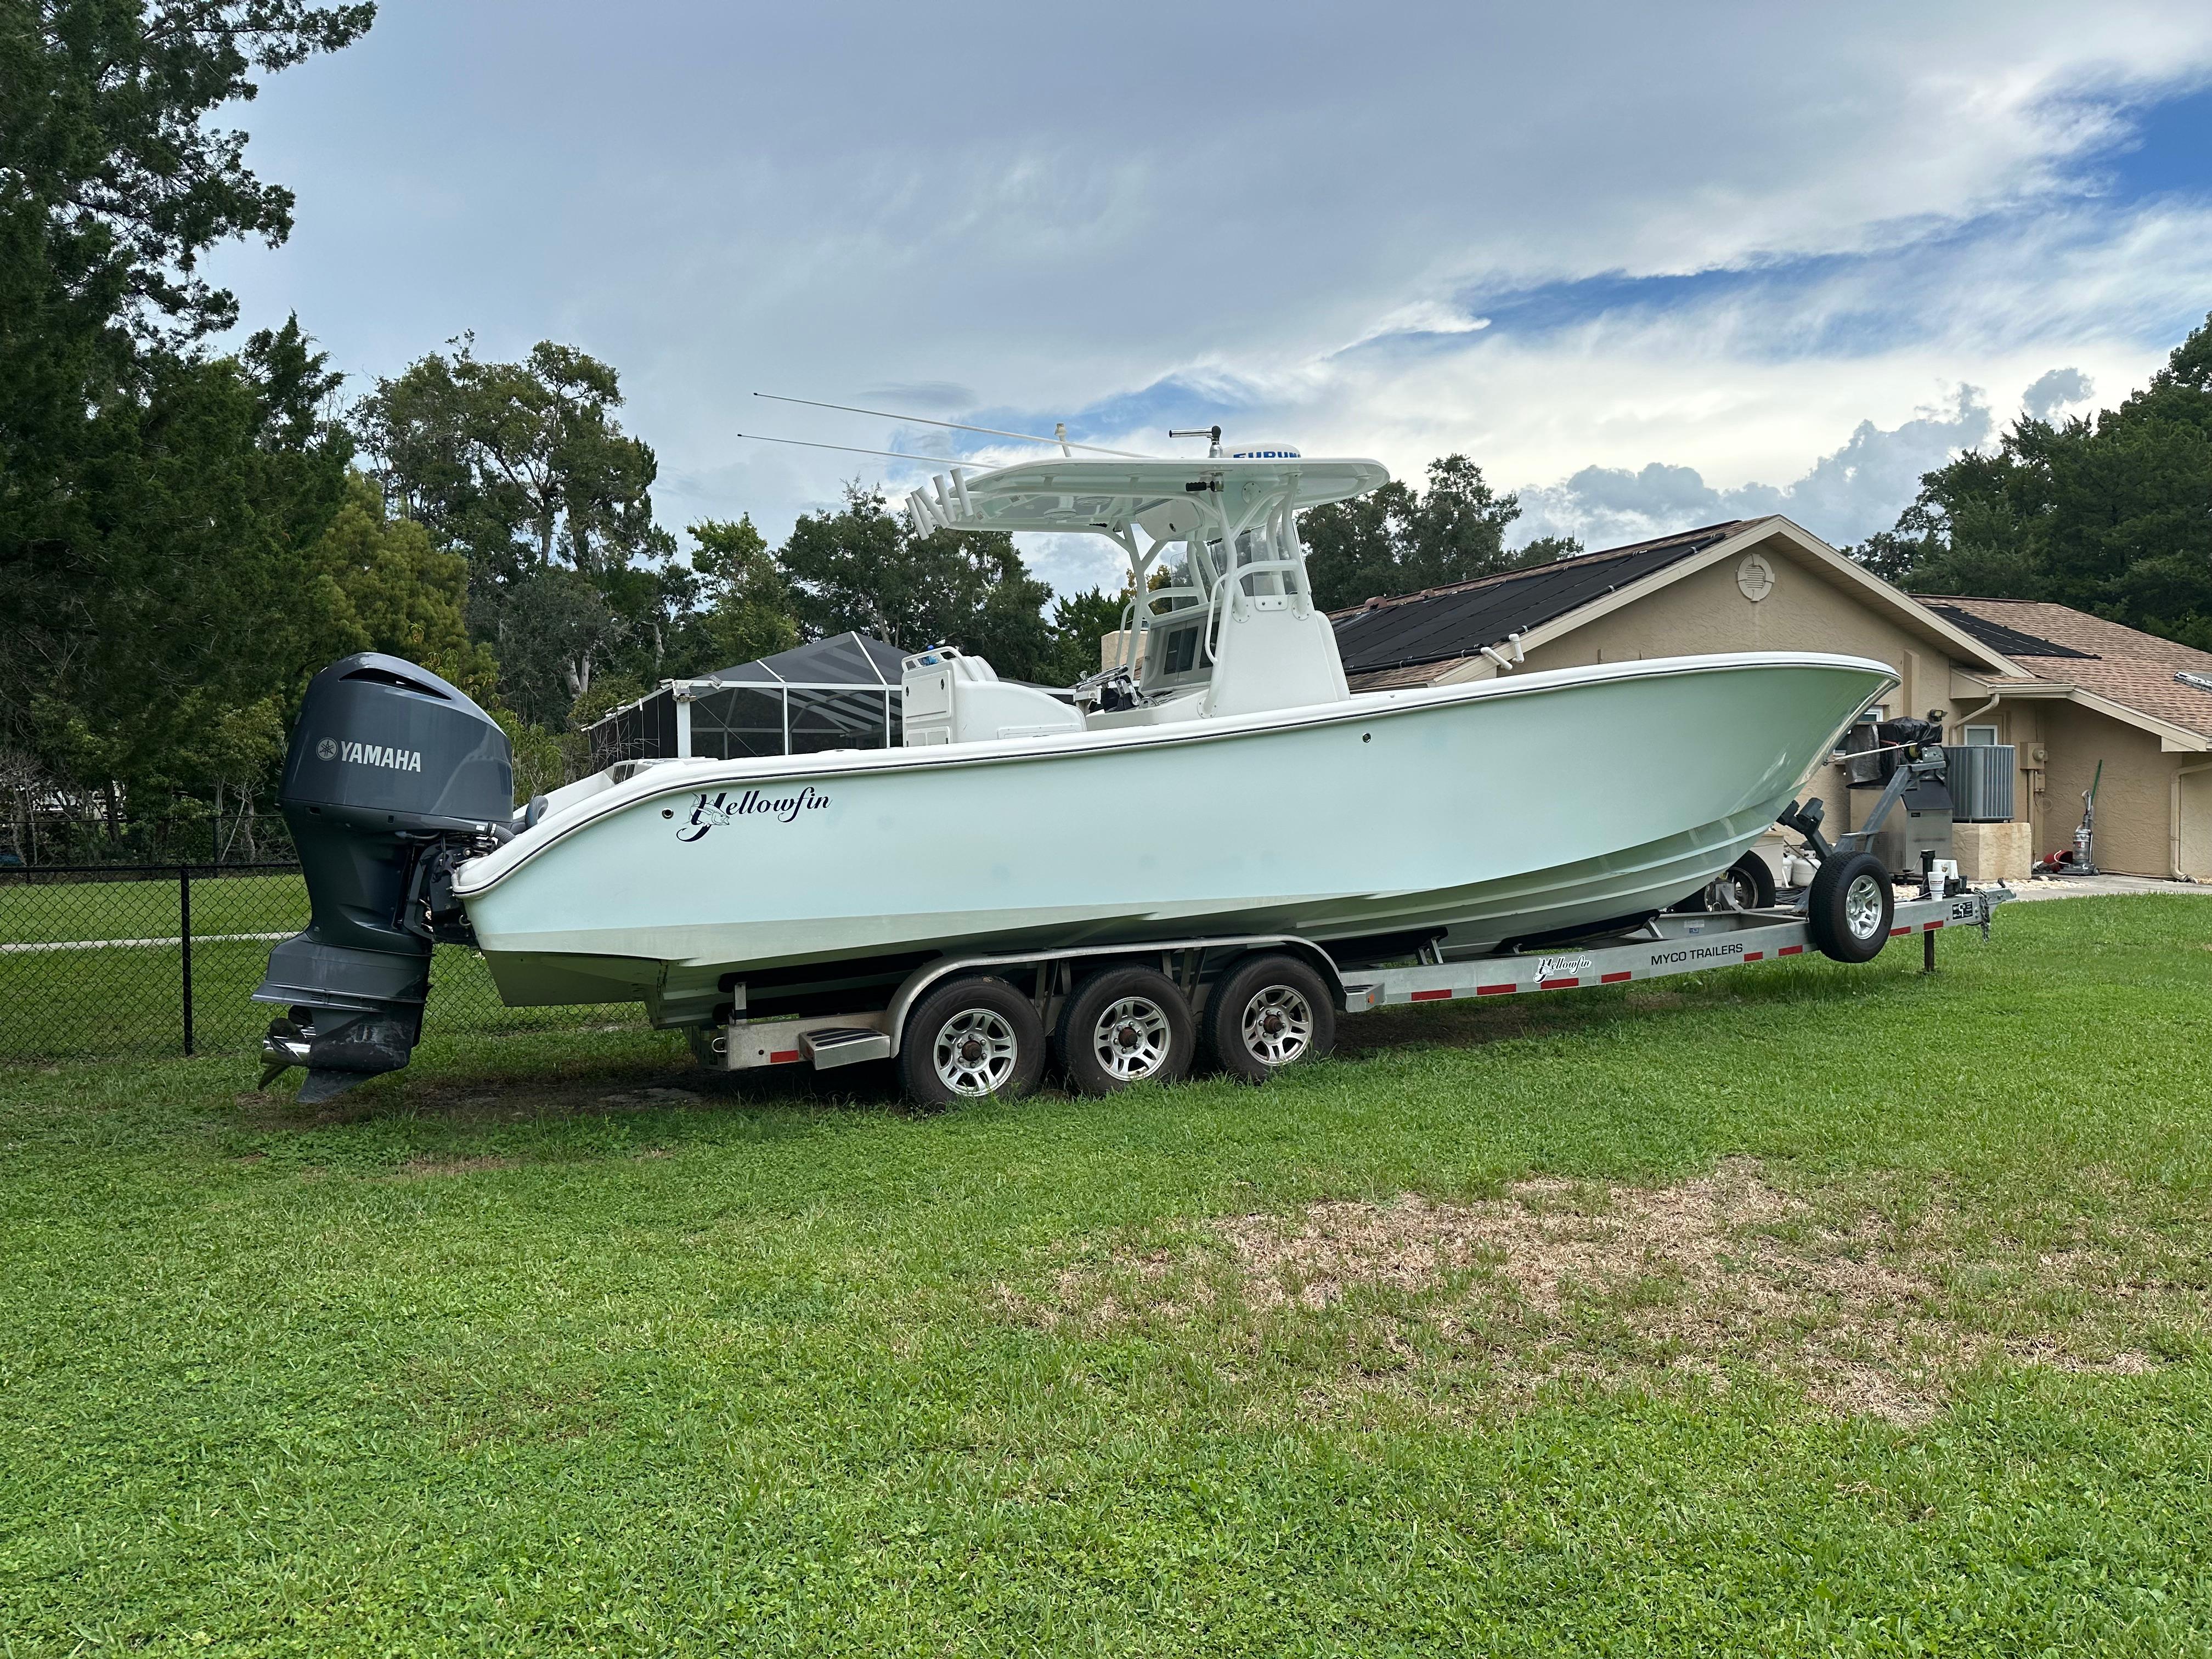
[{"x": 392, "y": 775}]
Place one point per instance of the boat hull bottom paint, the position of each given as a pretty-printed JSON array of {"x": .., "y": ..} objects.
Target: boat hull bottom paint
[{"x": 1496, "y": 810}]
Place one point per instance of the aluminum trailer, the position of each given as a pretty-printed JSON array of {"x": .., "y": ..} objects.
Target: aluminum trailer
[{"x": 977, "y": 1025}]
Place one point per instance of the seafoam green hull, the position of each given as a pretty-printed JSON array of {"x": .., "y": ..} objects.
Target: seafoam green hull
[{"x": 1497, "y": 809}]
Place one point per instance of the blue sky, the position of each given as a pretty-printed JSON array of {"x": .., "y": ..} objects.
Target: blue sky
[{"x": 1649, "y": 266}]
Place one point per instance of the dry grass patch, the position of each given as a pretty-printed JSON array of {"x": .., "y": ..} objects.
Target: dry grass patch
[
  {"x": 426, "y": 1166},
  {"x": 1716, "y": 1278}
]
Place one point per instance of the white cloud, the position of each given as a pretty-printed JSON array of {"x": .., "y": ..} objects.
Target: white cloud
[
  {"x": 1032, "y": 214},
  {"x": 1425, "y": 317},
  {"x": 1844, "y": 497}
]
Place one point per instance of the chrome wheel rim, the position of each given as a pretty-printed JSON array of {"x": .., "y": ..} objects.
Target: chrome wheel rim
[
  {"x": 1277, "y": 1025},
  {"x": 1130, "y": 1038},
  {"x": 1863, "y": 906},
  {"x": 975, "y": 1051}
]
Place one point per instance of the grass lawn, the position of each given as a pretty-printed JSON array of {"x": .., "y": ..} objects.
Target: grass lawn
[
  {"x": 128, "y": 998},
  {"x": 1802, "y": 1310}
]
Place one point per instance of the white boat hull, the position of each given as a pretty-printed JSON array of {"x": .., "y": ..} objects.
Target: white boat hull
[{"x": 1497, "y": 810}]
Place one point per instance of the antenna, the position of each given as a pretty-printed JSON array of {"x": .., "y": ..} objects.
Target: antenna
[
  {"x": 956, "y": 426},
  {"x": 1211, "y": 434},
  {"x": 847, "y": 449}
]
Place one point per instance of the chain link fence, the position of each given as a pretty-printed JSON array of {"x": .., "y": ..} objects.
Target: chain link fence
[{"x": 106, "y": 960}]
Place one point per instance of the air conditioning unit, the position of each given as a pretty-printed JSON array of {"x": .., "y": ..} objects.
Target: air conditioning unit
[{"x": 1981, "y": 782}]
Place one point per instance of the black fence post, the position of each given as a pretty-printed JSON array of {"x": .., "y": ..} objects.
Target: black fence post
[{"x": 185, "y": 939}]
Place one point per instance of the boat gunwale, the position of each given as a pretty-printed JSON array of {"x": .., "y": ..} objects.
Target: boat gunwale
[{"x": 655, "y": 781}]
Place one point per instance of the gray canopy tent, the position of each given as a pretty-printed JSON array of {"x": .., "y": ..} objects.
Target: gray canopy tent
[{"x": 837, "y": 693}]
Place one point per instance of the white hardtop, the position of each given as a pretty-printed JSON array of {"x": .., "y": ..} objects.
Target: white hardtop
[
  {"x": 1234, "y": 629},
  {"x": 1108, "y": 497}
]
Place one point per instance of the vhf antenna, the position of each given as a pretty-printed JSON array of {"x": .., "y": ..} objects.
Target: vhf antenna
[{"x": 1211, "y": 434}]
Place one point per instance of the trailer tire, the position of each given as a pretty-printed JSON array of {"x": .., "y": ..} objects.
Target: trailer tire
[
  {"x": 1749, "y": 884},
  {"x": 1125, "y": 1025},
  {"x": 1270, "y": 1012},
  {"x": 1850, "y": 908},
  {"x": 970, "y": 1040}
]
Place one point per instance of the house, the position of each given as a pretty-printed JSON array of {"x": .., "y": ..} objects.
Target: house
[
  {"x": 2100, "y": 692},
  {"x": 2068, "y": 691}
]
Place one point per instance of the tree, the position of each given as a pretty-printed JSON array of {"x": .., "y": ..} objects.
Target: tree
[
  {"x": 2112, "y": 516},
  {"x": 189, "y": 586},
  {"x": 745, "y": 602},
  {"x": 553, "y": 626},
  {"x": 116, "y": 184},
  {"x": 381, "y": 585},
  {"x": 1080, "y": 622},
  {"x": 864, "y": 569},
  {"x": 156, "y": 503},
  {"x": 1397, "y": 541},
  {"x": 524, "y": 470}
]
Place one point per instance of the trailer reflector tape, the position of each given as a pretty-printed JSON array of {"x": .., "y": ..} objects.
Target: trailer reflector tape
[
  {"x": 1934, "y": 925},
  {"x": 1754, "y": 955},
  {"x": 782, "y": 1056},
  {"x": 1898, "y": 933},
  {"x": 1495, "y": 990},
  {"x": 1557, "y": 984},
  {"x": 1791, "y": 950},
  {"x": 1614, "y": 979},
  {"x": 1430, "y": 996}
]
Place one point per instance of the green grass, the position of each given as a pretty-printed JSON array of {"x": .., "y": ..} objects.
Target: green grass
[
  {"x": 49, "y": 910},
  {"x": 127, "y": 999},
  {"x": 507, "y": 1354}
]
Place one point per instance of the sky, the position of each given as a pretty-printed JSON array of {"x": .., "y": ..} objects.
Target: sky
[{"x": 1650, "y": 267}]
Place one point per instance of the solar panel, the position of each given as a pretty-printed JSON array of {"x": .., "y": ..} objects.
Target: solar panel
[
  {"x": 2012, "y": 642},
  {"x": 1440, "y": 626}
]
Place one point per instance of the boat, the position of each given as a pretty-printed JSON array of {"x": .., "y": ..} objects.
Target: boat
[{"x": 1216, "y": 780}]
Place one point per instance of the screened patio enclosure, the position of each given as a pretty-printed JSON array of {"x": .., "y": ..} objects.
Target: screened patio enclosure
[{"x": 837, "y": 693}]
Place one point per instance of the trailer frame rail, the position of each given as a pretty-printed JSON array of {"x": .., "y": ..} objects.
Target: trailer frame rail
[{"x": 1667, "y": 944}]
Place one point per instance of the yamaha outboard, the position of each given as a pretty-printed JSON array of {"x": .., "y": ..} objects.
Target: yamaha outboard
[{"x": 393, "y": 780}]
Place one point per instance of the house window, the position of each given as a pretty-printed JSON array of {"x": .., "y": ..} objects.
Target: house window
[{"x": 1981, "y": 737}]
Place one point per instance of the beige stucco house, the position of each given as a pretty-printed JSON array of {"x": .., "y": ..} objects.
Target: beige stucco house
[{"x": 2068, "y": 689}]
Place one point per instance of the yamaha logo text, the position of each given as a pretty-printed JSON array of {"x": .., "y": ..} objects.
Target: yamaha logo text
[{"x": 370, "y": 754}]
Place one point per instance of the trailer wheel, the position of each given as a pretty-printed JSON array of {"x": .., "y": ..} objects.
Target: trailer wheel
[
  {"x": 1125, "y": 1025},
  {"x": 1270, "y": 1012},
  {"x": 975, "y": 1037},
  {"x": 1747, "y": 884},
  {"x": 1849, "y": 907}
]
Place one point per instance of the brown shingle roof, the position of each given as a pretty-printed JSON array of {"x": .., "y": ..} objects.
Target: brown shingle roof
[{"x": 2119, "y": 663}]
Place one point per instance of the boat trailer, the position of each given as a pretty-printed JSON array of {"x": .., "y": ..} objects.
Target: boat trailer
[{"x": 1199, "y": 973}]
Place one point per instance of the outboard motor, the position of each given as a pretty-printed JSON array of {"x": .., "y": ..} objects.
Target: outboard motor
[{"x": 393, "y": 779}]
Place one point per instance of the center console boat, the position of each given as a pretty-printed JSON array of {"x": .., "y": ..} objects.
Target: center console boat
[{"x": 1216, "y": 780}]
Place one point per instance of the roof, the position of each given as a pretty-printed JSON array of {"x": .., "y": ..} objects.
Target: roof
[
  {"x": 841, "y": 660},
  {"x": 1440, "y": 624},
  {"x": 2109, "y": 659}
]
